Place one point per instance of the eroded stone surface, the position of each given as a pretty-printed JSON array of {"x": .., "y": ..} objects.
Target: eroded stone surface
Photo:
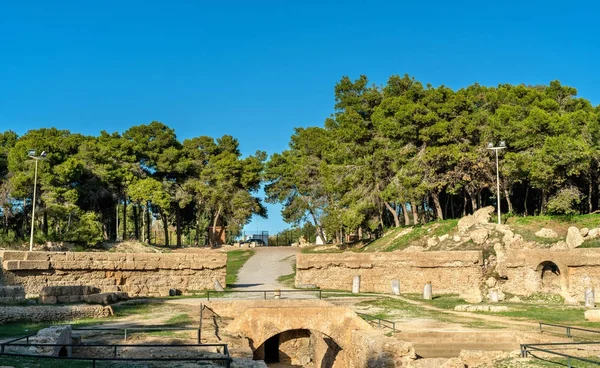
[{"x": 138, "y": 274}]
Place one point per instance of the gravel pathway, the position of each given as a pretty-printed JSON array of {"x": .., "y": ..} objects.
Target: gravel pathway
[{"x": 261, "y": 271}]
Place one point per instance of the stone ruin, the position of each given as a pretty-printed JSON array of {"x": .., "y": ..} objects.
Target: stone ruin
[{"x": 79, "y": 294}]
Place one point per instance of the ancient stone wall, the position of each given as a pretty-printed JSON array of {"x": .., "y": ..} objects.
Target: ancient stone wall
[
  {"x": 138, "y": 274},
  {"x": 53, "y": 313},
  {"x": 565, "y": 272},
  {"x": 457, "y": 272}
]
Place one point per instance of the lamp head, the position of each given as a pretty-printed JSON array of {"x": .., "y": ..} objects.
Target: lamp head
[
  {"x": 490, "y": 145},
  {"x": 502, "y": 144},
  {"x": 43, "y": 154},
  {"x": 31, "y": 152}
]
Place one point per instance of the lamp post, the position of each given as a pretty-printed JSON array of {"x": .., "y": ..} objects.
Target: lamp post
[
  {"x": 491, "y": 146},
  {"x": 42, "y": 156}
]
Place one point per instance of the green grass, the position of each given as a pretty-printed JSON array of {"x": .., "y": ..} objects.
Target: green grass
[
  {"x": 179, "y": 319},
  {"x": 288, "y": 280},
  {"x": 235, "y": 261}
]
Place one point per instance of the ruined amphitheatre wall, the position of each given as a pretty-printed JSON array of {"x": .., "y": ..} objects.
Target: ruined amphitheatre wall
[
  {"x": 138, "y": 274},
  {"x": 577, "y": 268},
  {"x": 456, "y": 272}
]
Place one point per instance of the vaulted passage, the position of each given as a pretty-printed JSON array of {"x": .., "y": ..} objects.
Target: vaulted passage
[
  {"x": 298, "y": 348},
  {"x": 550, "y": 276}
]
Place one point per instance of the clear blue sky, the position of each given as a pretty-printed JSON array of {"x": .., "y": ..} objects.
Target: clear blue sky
[{"x": 257, "y": 69}]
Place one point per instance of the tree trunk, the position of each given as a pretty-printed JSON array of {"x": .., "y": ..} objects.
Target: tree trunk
[
  {"x": 124, "y": 219},
  {"x": 415, "y": 213},
  {"x": 163, "y": 216},
  {"x": 590, "y": 189},
  {"x": 149, "y": 223},
  {"x": 393, "y": 212},
  {"x": 143, "y": 224},
  {"x": 45, "y": 224},
  {"x": 508, "y": 201},
  {"x": 405, "y": 214},
  {"x": 318, "y": 226},
  {"x": 452, "y": 205},
  {"x": 464, "y": 209},
  {"x": 479, "y": 204},
  {"x": 473, "y": 197},
  {"x": 438, "y": 206},
  {"x": 136, "y": 220},
  {"x": 525, "y": 201},
  {"x": 543, "y": 202},
  {"x": 178, "y": 223},
  {"x": 214, "y": 227}
]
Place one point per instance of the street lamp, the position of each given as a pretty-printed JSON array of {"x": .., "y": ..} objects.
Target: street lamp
[
  {"x": 490, "y": 146},
  {"x": 42, "y": 156}
]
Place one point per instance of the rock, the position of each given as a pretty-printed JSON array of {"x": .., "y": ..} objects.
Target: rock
[
  {"x": 481, "y": 216},
  {"x": 500, "y": 259},
  {"x": 490, "y": 282},
  {"x": 218, "y": 286},
  {"x": 474, "y": 296},
  {"x": 593, "y": 233},
  {"x": 592, "y": 315},
  {"x": 584, "y": 231},
  {"x": 514, "y": 299},
  {"x": 431, "y": 242},
  {"x": 574, "y": 238},
  {"x": 444, "y": 237},
  {"x": 479, "y": 236},
  {"x": 546, "y": 233},
  {"x": 456, "y": 238}
]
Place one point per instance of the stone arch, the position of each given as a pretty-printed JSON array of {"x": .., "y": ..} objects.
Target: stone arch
[
  {"x": 550, "y": 277},
  {"x": 298, "y": 347},
  {"x": 332, "y": 325},
  {"x": 63, "y": 352}
]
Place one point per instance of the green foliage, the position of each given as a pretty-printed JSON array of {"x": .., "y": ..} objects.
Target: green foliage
[{"x": 565, "y": 202}]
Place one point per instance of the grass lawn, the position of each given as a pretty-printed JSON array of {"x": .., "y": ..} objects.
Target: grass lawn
[
  {"x": 235, "y": 261},
  {"x": 288, "y": 280}
]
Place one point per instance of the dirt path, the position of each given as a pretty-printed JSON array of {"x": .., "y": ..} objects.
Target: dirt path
[{"x": 261, "y": 271}]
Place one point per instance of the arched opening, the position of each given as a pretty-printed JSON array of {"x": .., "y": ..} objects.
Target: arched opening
[
  {"x": 298, "y": 348},
  {"x": 63, "y": 352},
  {"x": 550, "y": 277}
]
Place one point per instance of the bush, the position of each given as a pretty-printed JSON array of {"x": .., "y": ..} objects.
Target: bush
[{"x": 564, "y": 202}]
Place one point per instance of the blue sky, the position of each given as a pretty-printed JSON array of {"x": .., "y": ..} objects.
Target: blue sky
[{"x": 257, "y": 69}]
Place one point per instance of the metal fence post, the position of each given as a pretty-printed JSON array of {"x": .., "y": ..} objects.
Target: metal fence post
[
  {"x": 125, "y": 337},
  {"x": 265, "y": 295},
  {"x": 568, "y": 331},
  {"x": 208, "y": 295},
  {"x": 115, "y": 352}
]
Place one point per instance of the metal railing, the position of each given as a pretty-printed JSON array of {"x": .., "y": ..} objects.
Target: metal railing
[
  {"x": 380, "y": 322},
  {"x": 114, "y": 349},
  {"x": 568, "y": 329},
  {"x": 526, "y": 351},
  {"x": 276, "y": 293}
]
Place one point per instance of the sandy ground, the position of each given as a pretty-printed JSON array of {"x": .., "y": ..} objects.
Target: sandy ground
[{"x": 261, "y": 271}]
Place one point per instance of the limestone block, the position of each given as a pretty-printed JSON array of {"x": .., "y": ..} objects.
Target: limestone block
[
  {"x": 428, "y": 291},
  {"x": 456, "y": 238},
  {"x": 395, "y": 287},
  {"x": 574, "y": 238},
  {"x": 592, "y": 315},
  {"x": 546, "y": 233},
  {"x": 444, "y": 237},
  {"x": 26, "y": 265},
  {"x": 102, "y": 298},
  {"x": 479, "y": 236},
  {"x": 593, "y": 233},
  {"x": 481, "y": 216},
  {"x": 490, "y": 282},
  {"x": 431, "y": 242},
  {"x": 584, "y": 231},
  {"x": 48, "y": 299},
  {"x": 356, "y": 284},
  {"x": 472, "y": 296},
  {"x": 589, "y": 297}
]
